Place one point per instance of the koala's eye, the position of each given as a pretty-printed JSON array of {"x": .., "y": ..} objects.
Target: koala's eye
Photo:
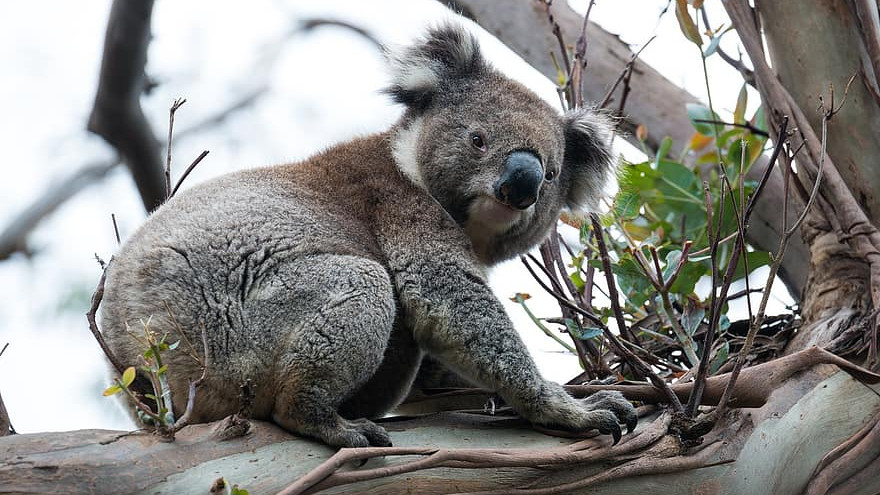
[
  {"x": 478, "y": 141},
  {"x": 549, "y": 175}
]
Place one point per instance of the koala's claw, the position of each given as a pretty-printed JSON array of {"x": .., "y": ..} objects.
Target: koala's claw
[
  {"x": 376, "y": 435},
  {"x": 614, "y": 431},
  {"x": 615, "y": 402}
]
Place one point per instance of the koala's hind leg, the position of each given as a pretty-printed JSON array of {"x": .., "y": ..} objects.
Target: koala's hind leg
[{"x": 344, "y": 310}]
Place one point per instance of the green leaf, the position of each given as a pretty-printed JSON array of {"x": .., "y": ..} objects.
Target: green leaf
[
  {"x": 128, "y": 376},
  {"x": 739, "y": 113},
  {"x": 238, "y": 491},
  {"x": 577, "y": 280},
  {"x": 680, "y": 177},
  {"x": 632, "y": 282},
  {"x": 687, "y": 279},
  {"x": 759, "y": 120},
  {"x": 756, "y": 260},
  {"x": 582, "y": 333},
  {"x": 585, "y": 232},
  {"x": 663, "y": 150},
  {"x": 699, "y": 112},
  {"x": 627, "y": 204},
  {"x": 672, "y": 259},
  {"x": 691, "y": 320},
  {"x": 686, "y": 23},
  {"x": 112, "y": 390},
  {"x": 719, "y": 358}
]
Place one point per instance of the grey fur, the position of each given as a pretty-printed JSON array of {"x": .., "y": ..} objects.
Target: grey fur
[{"x": 326, "y": 281}]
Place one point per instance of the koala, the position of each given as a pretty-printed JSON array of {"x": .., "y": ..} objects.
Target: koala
[{"x": 326, "y": 282}]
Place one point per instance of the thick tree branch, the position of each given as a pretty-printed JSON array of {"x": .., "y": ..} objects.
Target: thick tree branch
[{"x": 117, "y": 115}]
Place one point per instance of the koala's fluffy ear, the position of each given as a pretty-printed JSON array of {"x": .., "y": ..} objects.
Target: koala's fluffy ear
[
  {"x": 446, "y": 53},
  {"x": 588, "y": 157}
]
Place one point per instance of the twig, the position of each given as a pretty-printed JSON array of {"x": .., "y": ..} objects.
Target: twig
[
  {"x": 748, "y": 75},
  {"x": 609, "y": 278},
  {"x": 193, "y": 386},
  {"x": 637, "y": 364},
  {"x": 5, "y": 424},
  {"x": 177, "y": 103},
  {"x": 758, "y": 320},
  {"x": 580, "y": 61},
  {"x": 97, "y": 296},
  {"x": 189, "y": 169},
  {"x": 328, "y": 473},
  {"x": 721, "y": 298},
  {"x": 754, "y": 130},
  {"x": 624, "y": 74}
]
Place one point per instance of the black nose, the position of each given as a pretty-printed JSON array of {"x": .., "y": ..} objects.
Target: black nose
[{"x": 520, "y": 180}]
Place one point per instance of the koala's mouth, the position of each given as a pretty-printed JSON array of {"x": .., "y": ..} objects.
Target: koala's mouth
[{"x": 493, "y": 214}]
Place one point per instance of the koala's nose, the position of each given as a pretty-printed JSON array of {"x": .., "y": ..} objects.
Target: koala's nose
[{"x": 520, "y": 180}]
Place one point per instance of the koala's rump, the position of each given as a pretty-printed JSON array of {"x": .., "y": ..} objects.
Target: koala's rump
[{"x": 248, "y": 261}]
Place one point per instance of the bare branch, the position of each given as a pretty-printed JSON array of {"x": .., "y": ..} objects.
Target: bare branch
[
  {"x": 93, "y": 324},
  {"x": 5, "y": 424},
  {"x": 14, "y": 237},
  {"x": 117, "y": 115}
]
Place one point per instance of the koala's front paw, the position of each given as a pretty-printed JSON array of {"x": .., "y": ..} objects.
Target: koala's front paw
[
  {"x": 603, "y": 411},
  {"x": 613, "y": 401}
]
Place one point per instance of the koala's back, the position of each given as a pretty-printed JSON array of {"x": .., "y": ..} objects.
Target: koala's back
[{"x": 249, "y": 257}]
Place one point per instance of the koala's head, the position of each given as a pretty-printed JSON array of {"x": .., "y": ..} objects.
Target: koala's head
[{"x": 501, "y": 161}]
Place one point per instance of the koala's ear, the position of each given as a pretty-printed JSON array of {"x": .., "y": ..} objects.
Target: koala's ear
[
  {"x": 588, "y": 158},
  {"x": 446, "y": 53}
]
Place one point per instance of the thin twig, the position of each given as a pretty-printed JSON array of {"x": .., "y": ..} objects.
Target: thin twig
[
  {"x": 754, "y": 130},
  {"x": 715, "y": 308},
  {"x": 625, "y": 332},
  {"x": 115, "y": 228},
  {"x": 627, "y": 70},
  {"x": 189, "y": 169},
  {"x": 748, "y": 75},
  {"x": 635, "y": 363},
  {"x": 758, "y": 320},
  {"x": 97, "y": 296},
  {"x": 177, "y": 103}
]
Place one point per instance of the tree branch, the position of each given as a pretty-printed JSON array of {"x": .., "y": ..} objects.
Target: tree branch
[
  {"x": 14, "y": 237},
  {"x": 117, "y": 115}
]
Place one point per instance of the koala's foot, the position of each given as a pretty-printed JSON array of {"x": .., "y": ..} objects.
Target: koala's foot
[
  {"x": 614, "y": 401},
  {"x": 356, "y": 433},
  {"x": 603, "y": 411},
  {"x": 375, "y": 434},
  {"x": 339, "y": 432}
]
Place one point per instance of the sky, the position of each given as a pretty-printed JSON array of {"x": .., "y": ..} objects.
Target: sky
[{"x": 323, "y": 87}]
